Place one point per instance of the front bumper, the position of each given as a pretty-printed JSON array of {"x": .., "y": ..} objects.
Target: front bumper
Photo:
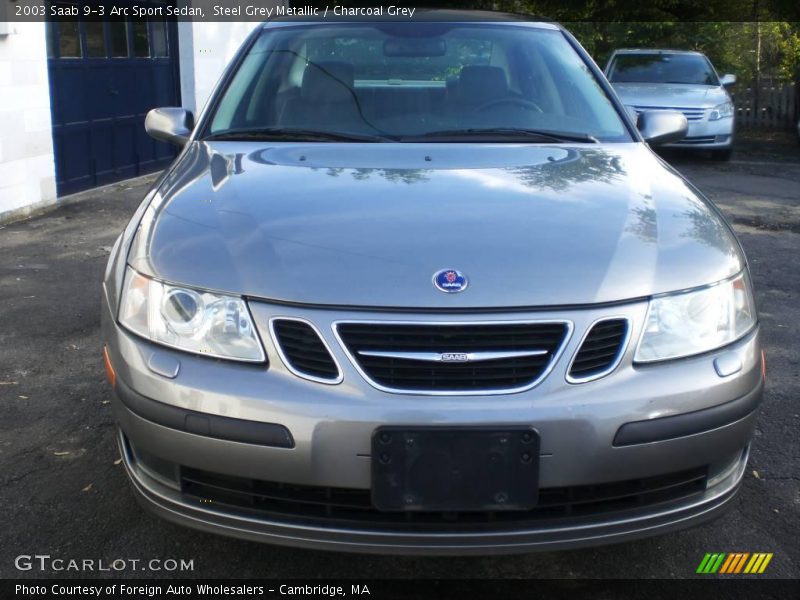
[
  {"x": 708, "y": 135},
  {"x": 330, "y": 428},
  {"x": 170, "y": 504}
]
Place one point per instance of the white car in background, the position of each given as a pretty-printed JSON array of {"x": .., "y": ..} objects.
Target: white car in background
[{"x": 678, "y": 80}]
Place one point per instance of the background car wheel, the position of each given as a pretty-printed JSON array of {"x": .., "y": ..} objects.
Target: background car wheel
[{"x": 722, "y": 154}]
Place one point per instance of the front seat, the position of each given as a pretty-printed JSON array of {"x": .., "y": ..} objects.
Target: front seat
[
  {"x": 479, "y": 85},
  {"x": 327, "y": 98}
]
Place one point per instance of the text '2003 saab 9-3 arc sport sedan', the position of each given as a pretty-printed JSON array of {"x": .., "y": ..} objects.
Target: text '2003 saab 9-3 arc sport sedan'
[{"x": 423, "y": 287}]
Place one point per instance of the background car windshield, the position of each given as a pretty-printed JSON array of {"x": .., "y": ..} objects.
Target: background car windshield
[
  {"x": 663, "y": 68},
  {"x": 412, "y": 79}
]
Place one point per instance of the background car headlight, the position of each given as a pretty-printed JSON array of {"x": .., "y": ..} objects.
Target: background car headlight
[
  {"x": 721, "y": 111},
  {"x": 697, "y": 321},
  {"x": 192, "y": 320}
]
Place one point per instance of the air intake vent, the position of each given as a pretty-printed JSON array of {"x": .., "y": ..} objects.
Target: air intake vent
[
  {"x": 303, "y": 351},
  {"x": 453, "y": 358},
  {"x": 352, "y": 508},
  {"x": 600, "y": 351}
]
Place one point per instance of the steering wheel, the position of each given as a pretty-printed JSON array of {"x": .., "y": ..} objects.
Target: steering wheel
[{"x": 526, "y": 104}]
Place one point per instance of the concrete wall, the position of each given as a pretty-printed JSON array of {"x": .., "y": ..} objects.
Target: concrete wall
[{"x": 27, "y": 166}]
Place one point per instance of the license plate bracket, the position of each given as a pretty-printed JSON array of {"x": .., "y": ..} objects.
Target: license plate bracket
[{"x": 455, "y": 469}]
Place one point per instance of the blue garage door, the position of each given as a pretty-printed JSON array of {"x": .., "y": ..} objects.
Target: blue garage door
[{"x": 104, "y": 77}]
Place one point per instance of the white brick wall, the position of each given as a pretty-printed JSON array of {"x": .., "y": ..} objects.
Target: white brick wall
[{"x": 27, "y": 167}]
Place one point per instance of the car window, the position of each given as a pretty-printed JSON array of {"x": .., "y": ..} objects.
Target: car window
[
  {"x": 662, "y": 68},
  {"x": 412, "y": 79}
]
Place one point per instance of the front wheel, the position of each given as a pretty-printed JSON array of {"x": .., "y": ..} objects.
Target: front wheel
[{"x": 722, "y": 155}]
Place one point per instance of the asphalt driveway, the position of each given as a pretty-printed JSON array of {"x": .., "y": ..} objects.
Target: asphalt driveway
[{"x": 64, "y": 493}]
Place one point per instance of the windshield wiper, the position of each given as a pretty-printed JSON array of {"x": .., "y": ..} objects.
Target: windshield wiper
[
  {"x": 504, "y": 134},
  {"x": 288, "y": 134}
]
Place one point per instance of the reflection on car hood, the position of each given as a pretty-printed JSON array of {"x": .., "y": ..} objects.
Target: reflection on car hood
[
  {"x": 369, "y": 224},
  {"x": 667, "y": 95}
]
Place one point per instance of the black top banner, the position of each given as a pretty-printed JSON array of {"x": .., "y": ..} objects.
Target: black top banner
[{"x": 262, "y": 10}]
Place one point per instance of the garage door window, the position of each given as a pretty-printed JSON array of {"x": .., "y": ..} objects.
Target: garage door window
[
  {"x": 119, "y": 40},
  {"x": 95, "y": 40},
  {"x": 141, "y": 43},
  {"x": 69, "y": 42}
]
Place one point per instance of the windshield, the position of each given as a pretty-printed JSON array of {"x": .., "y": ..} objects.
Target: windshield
[
  {"x": 662, "y": 68},
  {"x": 415, "y": 81}
]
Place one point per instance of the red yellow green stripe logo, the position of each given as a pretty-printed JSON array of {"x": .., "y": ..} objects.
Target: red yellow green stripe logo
[{"x": 730, "y": 563}]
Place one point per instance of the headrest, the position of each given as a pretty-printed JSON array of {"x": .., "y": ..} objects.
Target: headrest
[
  {"x": 328, "y": 81},
  {"x": 479, "y": 84}
]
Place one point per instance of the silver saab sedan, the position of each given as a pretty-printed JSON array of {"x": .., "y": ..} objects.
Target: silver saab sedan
[{"x": 423, "y": 287}]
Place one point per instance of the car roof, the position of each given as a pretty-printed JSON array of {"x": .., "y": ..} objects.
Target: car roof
[{"x": 656, "y": 51}]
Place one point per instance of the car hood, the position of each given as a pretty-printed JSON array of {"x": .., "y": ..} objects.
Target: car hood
[
  {"x": 370, "y": 224},
  {"x": 671, "y": 95}
]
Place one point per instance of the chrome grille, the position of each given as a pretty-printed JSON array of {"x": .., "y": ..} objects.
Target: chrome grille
[
  {"x": 691, "y": 114},
  {"x": 453, "y": 358}
]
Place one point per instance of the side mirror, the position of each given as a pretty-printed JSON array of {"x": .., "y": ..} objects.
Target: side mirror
[
  {"x": 173, "y": 125},
  {"x": 662, "y": 126},
  {"x": 727, "y": 80}
]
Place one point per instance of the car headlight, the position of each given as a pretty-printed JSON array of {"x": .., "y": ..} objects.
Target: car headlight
[
  {"x": 193, "y": 320},
  {"x": 697, "y": 321},
  {"x": 721, "y": 111}
]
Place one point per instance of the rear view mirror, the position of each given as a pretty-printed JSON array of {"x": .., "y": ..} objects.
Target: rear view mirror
[
  {"x": 414, "y": 47},
  {"x": 727, "y": 80},
  {"x": 662, "y": 126},
  {"x": 171, "y": 124}
]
